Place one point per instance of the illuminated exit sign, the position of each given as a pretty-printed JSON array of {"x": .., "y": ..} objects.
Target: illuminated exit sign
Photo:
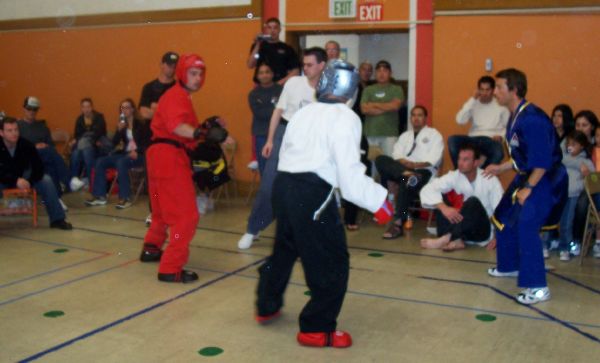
[
  {"x": 370, "y": 12},
  {"x": 342, "y": 8}
]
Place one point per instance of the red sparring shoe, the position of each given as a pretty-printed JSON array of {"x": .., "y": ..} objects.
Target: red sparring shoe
[
  {"x": 336, "y": 339},
  {"x": 268, "y": 319}
]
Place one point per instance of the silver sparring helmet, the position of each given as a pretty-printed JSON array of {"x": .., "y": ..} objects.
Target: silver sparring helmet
[{"x": 339, "y": 79}]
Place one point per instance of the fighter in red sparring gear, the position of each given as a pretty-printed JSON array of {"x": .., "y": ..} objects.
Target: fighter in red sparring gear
[
  {"x": 172, "y": 195},
  {"x": 319, "y": 153}
]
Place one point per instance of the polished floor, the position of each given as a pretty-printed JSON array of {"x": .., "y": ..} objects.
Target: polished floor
[{"x": 83, "y": 296}]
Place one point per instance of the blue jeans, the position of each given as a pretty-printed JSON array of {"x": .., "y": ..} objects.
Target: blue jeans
[
  {"x": 566, "y": 224},
  {"x": 47, "y": 192},
  {"x": 259, "y": 143},
  {"x": 87, "y": 157},
  {"x": 55, "y": 167},
  {"x": 123, "y": 163},
  {"x": 493, "y": 150}
]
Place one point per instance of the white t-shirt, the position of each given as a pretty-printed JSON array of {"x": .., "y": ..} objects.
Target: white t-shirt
[
  {"x": 488, "y": 119},
  {"x": 296, "y": 94},
  {"x": 324, "y": 139}
]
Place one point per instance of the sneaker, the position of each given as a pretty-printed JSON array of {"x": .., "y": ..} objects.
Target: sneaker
[
  {"x": 596, "y": 250},
  {"x": 246, "y": 241},
  {"x": 202, "y": 203},
  {"x": 123, "y": 204},
  {"x": 63, "y": 205},
  {"x": 336, "y": 339},
  {"x": 565, "y": 256},
  {"x": 95, "y": 201},
  {"x": 182, "y": 276},
  {"x": 253, "y": 165},
  {"x": 495, "y": 273},
  {"x": 554, "y": 244},
  {"x": 533, "y": 295},
  {"x": 75, "y": 184},
  {"x": 574, "y": 248},
  {"x": 61, "y": 224},
  {"x": 546, "y": 253},
  {"x": 149, "y": 220}
]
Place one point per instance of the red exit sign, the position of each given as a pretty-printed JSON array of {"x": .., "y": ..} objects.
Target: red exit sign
[{"x": 370, "y": 12}]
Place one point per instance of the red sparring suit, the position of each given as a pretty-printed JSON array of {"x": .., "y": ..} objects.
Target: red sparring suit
[{"x": 171, "y": 188}]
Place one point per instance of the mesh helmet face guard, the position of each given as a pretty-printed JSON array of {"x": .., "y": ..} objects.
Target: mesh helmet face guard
[{"x": 338, "y": 82}]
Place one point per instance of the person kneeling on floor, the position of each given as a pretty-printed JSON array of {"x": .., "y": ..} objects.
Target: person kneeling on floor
[
  {"x": 464, "y": 202},
  {"x": 21, "y": 167},
  {"x": 319, "y": 153}
]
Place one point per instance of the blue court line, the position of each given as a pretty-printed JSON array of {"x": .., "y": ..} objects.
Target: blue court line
[
  {"x": 574, "y": 282},
  {"x": 12, "y": 300},
  {"x": 58, "y": 244},
  {"x": 510, "y": 297},
  {"x": 136, "y": 314},
  {"x": 422, "y": 302}
]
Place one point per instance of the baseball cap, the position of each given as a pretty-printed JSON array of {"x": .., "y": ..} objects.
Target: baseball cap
[
  {"x": 31, "y": 102},
  {"x": 383, "y": 63},
  {"x": 170, "y": 58}
]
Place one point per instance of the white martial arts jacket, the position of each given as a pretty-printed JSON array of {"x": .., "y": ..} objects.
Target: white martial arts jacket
[
  {"x": 488, "y": 191},
  {"x": 429, "y": 148},
  {"x": 324, "y": 139}
]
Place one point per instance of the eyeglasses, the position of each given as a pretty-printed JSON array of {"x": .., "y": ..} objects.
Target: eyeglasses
[
  {"x": 34, "y": 109},
  {"x": 126, "y": 107}
]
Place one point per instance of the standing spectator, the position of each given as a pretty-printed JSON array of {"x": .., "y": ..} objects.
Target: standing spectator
[
  {"x": 152, "y": 90},
  {"x": 267, "y": 48},
  {"x": 578, "y": 166},
  {"x": 22, "y": 168},
  {"x": 130, "y": 141},
  {"x": 467, "y": 220},
  {"x": 488, "y": 124},
  {"x": 380, "y": 103},
  {"x": 333, "y": 50},
  {"x": 36, "y": 132},
  {"x": 298, "y": 92},
  {"x": 536, "y": 195},
  {"x": 416, "y": 157},
  {"x": 89, "y": 140},
  {"x": 262, "y": 100}
]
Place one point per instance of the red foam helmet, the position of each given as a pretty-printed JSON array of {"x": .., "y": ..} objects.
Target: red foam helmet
[{"x": 187, "y": 61}]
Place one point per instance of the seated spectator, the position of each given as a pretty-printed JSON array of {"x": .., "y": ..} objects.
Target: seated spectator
[
  {"x": 89, "y": 140},
  {"x": 130, "y": 141},
  {"x": 467, "y": 220},
  {"x": 488, "y": 124},
  {"x": 578, "y": 166},
  {"x": 333, "y": 50},
  {"x": 417, "y": 155},
  {"x": 262, "y": 100},
  {"x": 21, "y": 167},
  {"x": 563, "y": 121},
  {"x": 380, "y": 103},
  {"x": 36, "y": 132}
]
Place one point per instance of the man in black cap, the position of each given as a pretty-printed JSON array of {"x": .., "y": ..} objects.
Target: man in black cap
[{"x": 154, "y": 89}]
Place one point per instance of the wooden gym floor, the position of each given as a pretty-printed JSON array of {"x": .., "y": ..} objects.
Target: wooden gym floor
[{"x": 83, "y": 296}]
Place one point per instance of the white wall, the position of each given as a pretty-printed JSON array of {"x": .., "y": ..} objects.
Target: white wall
[
  {"x": 30, "y": 9},
  {"x": 369, "y": 47}
]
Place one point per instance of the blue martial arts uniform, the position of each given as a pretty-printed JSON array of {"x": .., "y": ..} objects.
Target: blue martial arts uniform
[{"x": 532, "y": 143}]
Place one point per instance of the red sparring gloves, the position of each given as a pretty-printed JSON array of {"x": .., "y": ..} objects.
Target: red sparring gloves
[{"x": 385, "y": 213}]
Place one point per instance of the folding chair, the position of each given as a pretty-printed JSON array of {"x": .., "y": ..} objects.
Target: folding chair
[
  {"x": 592, "y": 221},
  {"x": 229, "y": 147},
  {"x": 19, "y": 201},
  {"x": 137, "y": 174}
]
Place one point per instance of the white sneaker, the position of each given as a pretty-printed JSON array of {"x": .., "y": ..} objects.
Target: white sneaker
[
  {"x": 149, "y": 220},
  {"x": 554, "y": 244},
  {"x": 533, "y": 295},
  {"x": 253, "y": 165},
  {"x": 546, "y": 253},
  {"x": 575, "y": 248},
  {"x": 63, "y": 205},
  {"x": 75, "y": 184},
  {"x": 596, "y": 250},
  {"x": 495, "y": 273},
  {"x": 246, "y": 241},
  {"x": 565, "y": 256},
  {"x": 202, "y": 203}
]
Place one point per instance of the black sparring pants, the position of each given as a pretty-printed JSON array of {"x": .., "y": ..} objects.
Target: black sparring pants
[
  {"x": 320, "y": 244},
  {"x": 475, "y": 225}
]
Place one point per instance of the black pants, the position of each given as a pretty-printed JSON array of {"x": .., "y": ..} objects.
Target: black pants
[
  {"x": 390, "y": 169},
  {"x": 321, "y": 246},
  {"x": 351, "y": 209},
  {"x": 475, "y": 225}
]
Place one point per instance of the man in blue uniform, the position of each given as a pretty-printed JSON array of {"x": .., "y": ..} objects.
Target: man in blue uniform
[{"x": 534, "y": 199}]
